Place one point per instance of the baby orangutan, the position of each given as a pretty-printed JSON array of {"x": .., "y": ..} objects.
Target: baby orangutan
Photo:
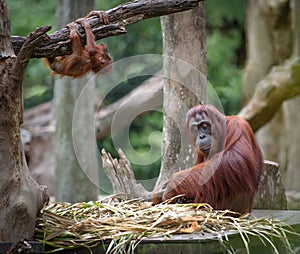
[{"x": 91, "y": 57}]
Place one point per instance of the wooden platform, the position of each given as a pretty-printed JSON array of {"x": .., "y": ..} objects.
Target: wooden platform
[
  {"x": 197, "y": 243},
  {"x": 208, "y": 243}
]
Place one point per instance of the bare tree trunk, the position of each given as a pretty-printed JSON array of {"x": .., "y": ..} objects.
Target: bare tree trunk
[
  {"x": 270, "y": 26},
  {"x": 291, "y": 113},
  {"x": 21, "y": 197},
  {"x": 185, "y": 84},
  {"x": 291, "y": 150},
  {"x": 262, "y": 51},
  {"x": 269, "y": 38},
  {"x": 76, "y": 170}
]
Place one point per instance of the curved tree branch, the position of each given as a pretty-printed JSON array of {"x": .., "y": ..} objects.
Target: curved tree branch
[
  {"x": 119, "y": 17},
  {"x": 282, "y": 83},
  {"x": 35, "y": 38}
]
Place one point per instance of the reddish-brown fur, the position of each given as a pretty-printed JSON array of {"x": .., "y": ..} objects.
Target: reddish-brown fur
[
  {"x": 229, "y": 178},
  {"x": 83, "y": 59}
]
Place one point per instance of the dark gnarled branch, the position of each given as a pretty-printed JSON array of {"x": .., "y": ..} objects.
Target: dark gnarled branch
[
  {"x": 119, "y": 17},
  {"x": 35, "y": 38}
]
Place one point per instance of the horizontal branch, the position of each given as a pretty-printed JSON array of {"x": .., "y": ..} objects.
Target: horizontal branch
[
  {"x": 119, "y": 17},
  {"x": 282, "y": 83}
]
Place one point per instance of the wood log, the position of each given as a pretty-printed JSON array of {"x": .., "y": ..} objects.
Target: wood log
[{"x": 271, "y": 191}]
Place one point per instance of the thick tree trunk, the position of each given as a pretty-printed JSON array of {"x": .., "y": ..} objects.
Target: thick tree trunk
[
  {"x": 262, "y": 51},
  {"x": 291, "y": 114},
  {"x": 76, "y": 171},
  {"x": 185, "y": 84},
  {"x": 291, "y": 139},
  {"x": 21, "y": 197},
  {"x": 269, "y": 44},
  {"x": 273, "y": 37}
]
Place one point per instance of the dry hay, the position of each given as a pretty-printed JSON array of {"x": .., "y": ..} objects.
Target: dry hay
[{"x": 125, "y": 223}]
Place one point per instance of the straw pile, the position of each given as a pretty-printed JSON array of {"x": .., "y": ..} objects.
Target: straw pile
[{"x": 125, "y": 223}]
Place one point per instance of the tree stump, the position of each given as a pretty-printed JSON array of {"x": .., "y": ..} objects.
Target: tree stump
[{"x": 271, "y": 192}]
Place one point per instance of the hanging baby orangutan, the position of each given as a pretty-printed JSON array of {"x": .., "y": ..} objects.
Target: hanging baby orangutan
[
  {"x": 91, "y": 57},
  {"x": 228, "y": 163}
]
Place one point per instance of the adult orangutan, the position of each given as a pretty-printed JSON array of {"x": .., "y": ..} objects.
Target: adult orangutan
[{"x": 228, "y": 163}]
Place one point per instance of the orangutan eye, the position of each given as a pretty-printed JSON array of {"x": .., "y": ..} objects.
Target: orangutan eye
[{"x": 205, "y": 127}]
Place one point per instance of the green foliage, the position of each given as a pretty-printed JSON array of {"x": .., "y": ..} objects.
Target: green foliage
[
  {"x": 38, "y": 87},
  {"x": 225, "y": 50},
  {"x": 222, "y": 70},
  {"x": 26, "y": 15},
  {"x": 145, "y": 134},
  {"x": 143, "y": 37},
  {"x": 218, "y": 12}
]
